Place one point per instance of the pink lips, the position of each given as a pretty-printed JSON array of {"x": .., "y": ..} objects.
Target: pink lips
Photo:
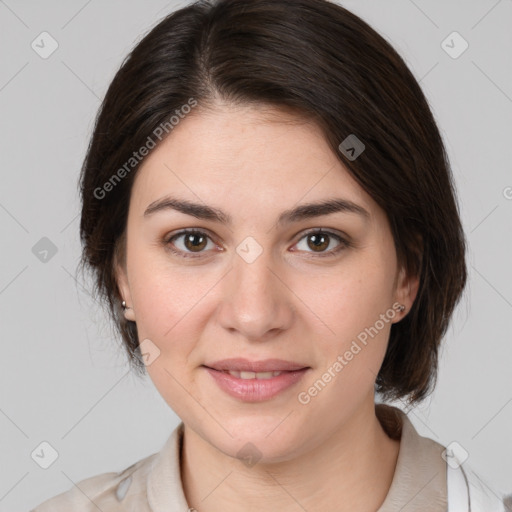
[{"x": 255, "y": 390}]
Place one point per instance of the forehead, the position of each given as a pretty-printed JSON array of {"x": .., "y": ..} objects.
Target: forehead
[{"x": 252, "y": 158}]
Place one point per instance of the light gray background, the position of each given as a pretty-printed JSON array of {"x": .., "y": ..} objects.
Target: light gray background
[{"x": 64, "y": 378}]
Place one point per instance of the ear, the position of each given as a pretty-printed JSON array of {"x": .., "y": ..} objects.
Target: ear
[
  {"x": 124, "y": 290},
  {"x": 406, "y": 289}
]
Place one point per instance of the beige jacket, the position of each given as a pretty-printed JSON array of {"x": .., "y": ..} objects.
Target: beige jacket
[{"x": 421, "y": 481}]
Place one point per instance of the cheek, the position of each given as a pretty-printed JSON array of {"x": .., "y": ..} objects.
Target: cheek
[
  {"x": 355, "y": 306},
  {"x": 351, "y": 358},
  {"x": 173, "y": 306},
  {"x": 165, "y": 296},
  {"x": 168, "y": 314},
  {"x": 351, "y": 297}
]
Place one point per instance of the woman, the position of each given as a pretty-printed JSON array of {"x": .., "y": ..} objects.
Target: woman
[{"x": 268, "y": 210}]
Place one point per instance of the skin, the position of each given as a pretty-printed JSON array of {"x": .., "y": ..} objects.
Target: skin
[{"x": 290, "y": 303}]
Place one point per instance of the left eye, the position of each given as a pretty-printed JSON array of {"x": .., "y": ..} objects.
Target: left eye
[{"x": 319, "y": 241}]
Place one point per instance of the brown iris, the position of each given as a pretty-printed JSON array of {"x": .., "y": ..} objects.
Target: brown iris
[
  {"x": 320, "y": 241},
  {"x": 192, "y": 244}
]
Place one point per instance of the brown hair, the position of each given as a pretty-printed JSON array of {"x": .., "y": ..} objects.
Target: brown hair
[{"x": 315, "y": 58}]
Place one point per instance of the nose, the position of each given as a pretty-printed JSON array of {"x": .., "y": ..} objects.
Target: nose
[{"x": 256, "y": 302}]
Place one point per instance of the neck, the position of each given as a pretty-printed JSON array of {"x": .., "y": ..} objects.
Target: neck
[{"x": 351, "y": 470}]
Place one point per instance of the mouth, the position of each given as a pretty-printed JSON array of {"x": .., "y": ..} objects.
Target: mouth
[
  {"x": 251, "y": 375},
  {"x": 255, "y": 381}
]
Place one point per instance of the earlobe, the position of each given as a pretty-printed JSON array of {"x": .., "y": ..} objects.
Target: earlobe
[
  {"x": 128, "y": 311},
  {"x": 124, "y": 291},
  {"x": 406, "y": 291}
]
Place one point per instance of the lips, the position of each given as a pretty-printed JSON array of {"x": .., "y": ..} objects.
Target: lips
[
  {"x": 240, "y": 364},
  {"x": 253, "y": 389},
  {"x": 255, "y": 381}
]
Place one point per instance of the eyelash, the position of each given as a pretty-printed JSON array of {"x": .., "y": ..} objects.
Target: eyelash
[{"x": 344, "y": 244}]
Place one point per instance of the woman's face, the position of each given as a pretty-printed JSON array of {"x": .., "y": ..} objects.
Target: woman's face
[{"x": 315, "y": 289}]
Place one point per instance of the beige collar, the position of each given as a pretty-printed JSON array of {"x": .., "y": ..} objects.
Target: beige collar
[{"x": 419, "y": 482}]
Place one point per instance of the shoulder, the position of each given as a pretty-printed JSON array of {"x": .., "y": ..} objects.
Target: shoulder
[
  {"x": 469, "y": 491},
  {"x": 456, "y": 486},
  {"x": 108, "y": 492}
]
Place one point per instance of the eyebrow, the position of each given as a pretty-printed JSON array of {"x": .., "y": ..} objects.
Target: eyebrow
[{"x": 301, "y": 212}]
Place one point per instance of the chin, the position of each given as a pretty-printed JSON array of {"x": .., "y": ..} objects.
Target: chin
[{"x": 263, "y": 440}]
